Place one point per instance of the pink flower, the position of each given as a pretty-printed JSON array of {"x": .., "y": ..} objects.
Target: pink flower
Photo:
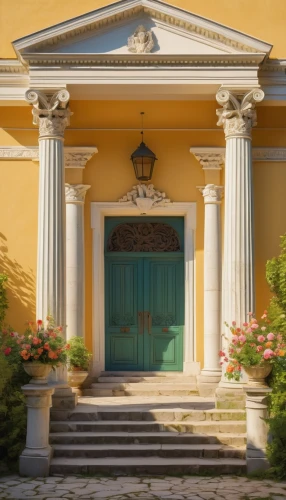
[
  {"x": 225, "y": 359},
  {"x": 245, "y": 324},
  {"x": 12, "y": 334},
  {"x": 259, "y": 348},
  {"x": 248, "y": 330},
  {"x": 242, "y": 338},
  {"x": 260, "y": 338},
  {"x": 263, "y": 328},
  {"x": 254, "y": 326},
  {"x": 234, "y": 339},
  {"x": 250, "y": 314},
  {"x": 238, "y": 350},
  {"x": 7, "y": 351},
  {"x": 221, "y": 353},
  {"x": 268, "y": 353},
  {"x": 221, "y": 363},
  {"x": 270, "y": 336},
  {"x": 233, "y": 323}
]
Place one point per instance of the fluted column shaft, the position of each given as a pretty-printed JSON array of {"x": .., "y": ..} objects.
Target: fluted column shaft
[
  {"x": 212, "y": 280},
  {"x": 51, "y": 231},
  {"x": 238, "y": 116},
  {"x": 75, "y": 268},
  {"x": 52, "y": 117}
]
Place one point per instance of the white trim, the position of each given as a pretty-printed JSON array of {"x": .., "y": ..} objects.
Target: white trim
[
  {"x": 100, "y": 210},
  {"x": 215, "y": 156},
  {"x": 75, "y": 157}
]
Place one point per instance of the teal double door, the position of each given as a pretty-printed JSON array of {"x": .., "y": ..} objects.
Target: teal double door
[{"x": 144, "y": 311}]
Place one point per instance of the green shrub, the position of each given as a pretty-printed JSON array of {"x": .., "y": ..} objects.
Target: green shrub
[
  {"x": 78, "y": 355},
  {"x": 13, "y": 418},
  {"x": 276, "y": 449}
]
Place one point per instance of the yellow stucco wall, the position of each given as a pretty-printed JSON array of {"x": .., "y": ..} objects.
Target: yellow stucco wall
[
  {"x": 110, "y": 175},
  {"x": 264, "y": 20}
]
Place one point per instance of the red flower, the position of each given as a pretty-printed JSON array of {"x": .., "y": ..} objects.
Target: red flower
[
  {"x": 39, "y": 322},
  {"x": 7, "y": 351}
]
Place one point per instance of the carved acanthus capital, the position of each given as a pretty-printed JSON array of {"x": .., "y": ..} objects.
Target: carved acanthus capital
[
  {"x": 51, "y": 114},
  {"x": 75, "y": 193},
  {"x": 212, "y": 193},
  {"x": 238, "y": 114},
  {"x": 210, "y": 161}
]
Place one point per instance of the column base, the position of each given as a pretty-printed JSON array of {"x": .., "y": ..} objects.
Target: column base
[
  {"x": 207, "y": 382},
  {"x": 256, "y": 465},
  {"x": 35, "y": 462},
  {"x": 191, "y": 368}
]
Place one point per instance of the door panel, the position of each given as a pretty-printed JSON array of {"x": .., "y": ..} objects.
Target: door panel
[
  {"x": 124, "y": 299},
  {"x": 164, "y": 300}
]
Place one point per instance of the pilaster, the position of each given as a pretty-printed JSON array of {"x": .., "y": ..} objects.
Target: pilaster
[
  {"x": 75, "y": 265},
  {"x": 211, "y": 373}
]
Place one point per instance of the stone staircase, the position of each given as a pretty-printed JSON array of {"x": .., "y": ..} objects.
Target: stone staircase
[
  {"x": 142, "y": 384},
  {"x": 157, "y": 431}
]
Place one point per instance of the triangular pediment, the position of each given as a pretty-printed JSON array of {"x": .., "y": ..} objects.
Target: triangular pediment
[{"x": 105, "y": 34}]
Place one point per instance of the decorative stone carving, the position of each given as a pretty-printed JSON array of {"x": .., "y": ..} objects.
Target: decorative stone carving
[
  {"x": 52, "y": 115},
  {"x": 75, "y": 193},
  {"x": 145, "y": 197},
  {"x": 212, "y": 193},
  {"x": 210, "y": 161},
  {"x": 238, "y": 114},
  {"x": 141, "y": 41},
  {"x": 75, "y": 157},
  {"x": 143, "y": 237}
]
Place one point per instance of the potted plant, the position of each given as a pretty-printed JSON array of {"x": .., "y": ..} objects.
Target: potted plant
[
  {"x": 78, "y": 362},
  {"x": 253, "y": 348},
  {"x": 40, "y": 348}
]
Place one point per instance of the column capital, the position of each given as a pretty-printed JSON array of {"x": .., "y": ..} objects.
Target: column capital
[
  {"x": 238, "y": 113},
  {"x": 212, "y": 193},
  {"x": 75, "y": 193},
  {"x": 209, "y": 158},
  {"x": 50, "y": 112}
]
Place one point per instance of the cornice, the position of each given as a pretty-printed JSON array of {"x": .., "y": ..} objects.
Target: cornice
[
  {"x": 213, "y": 158},
  {"x": 119, "y": 60},
  {"x": 75, "y": 157}
]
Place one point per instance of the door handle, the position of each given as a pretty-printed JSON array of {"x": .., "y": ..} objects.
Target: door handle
[{"x": 140, "y": 323}]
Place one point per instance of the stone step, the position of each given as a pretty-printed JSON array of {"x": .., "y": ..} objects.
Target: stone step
[
  {"x": 230, "y": 439},
  {"x": 147, "y": 465},
  {"x": 147, "y": 450},
  {"x": 142, "y": 374},
  {"x": 141, "y": 389},
  {"x": 83, "y": 412},
  {"x": 202, "y": 427},
  {"x": 146, "y": 379}
]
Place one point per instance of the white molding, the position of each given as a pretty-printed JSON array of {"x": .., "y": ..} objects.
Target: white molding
[
  {"x": 126, "y": 9},
  {"x": 208, "y": 156},
  {"x": 75, "y": 157},
  {"x": 100, "y": 210}
]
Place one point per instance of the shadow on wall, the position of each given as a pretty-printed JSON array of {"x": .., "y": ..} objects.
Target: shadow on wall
[{"x": 20, "y": 288}]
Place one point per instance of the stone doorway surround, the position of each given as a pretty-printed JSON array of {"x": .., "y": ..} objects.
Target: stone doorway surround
[{"x": 100, "y": 210}]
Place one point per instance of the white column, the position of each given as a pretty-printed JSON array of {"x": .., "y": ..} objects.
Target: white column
[
  {"x": 212, "y": 280},
  {"x": 75, "y": 269},
  {"x": 52, "y": 117},
  {"x": 238, "y": 116}
]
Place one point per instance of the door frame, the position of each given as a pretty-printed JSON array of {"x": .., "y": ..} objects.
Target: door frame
[{"x": 100, "y": 210}]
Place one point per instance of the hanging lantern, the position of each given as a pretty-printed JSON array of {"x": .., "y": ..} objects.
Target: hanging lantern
[{"x": 143, "y": 160}]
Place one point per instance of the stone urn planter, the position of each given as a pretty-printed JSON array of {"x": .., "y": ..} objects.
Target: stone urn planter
[
  {"x": 257, "y": 374},
  {"x": 38, "y": 371},
  {"x": 75, "y": 379}
]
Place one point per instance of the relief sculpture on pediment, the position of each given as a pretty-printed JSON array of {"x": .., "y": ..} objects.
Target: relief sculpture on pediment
[{"x": 141, "y": 41}]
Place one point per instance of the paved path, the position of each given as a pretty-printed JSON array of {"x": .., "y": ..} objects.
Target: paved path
[{"x": 143, "y": 488}]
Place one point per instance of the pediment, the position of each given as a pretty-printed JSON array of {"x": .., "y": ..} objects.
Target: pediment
[{"x": 102, "y": 36}]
